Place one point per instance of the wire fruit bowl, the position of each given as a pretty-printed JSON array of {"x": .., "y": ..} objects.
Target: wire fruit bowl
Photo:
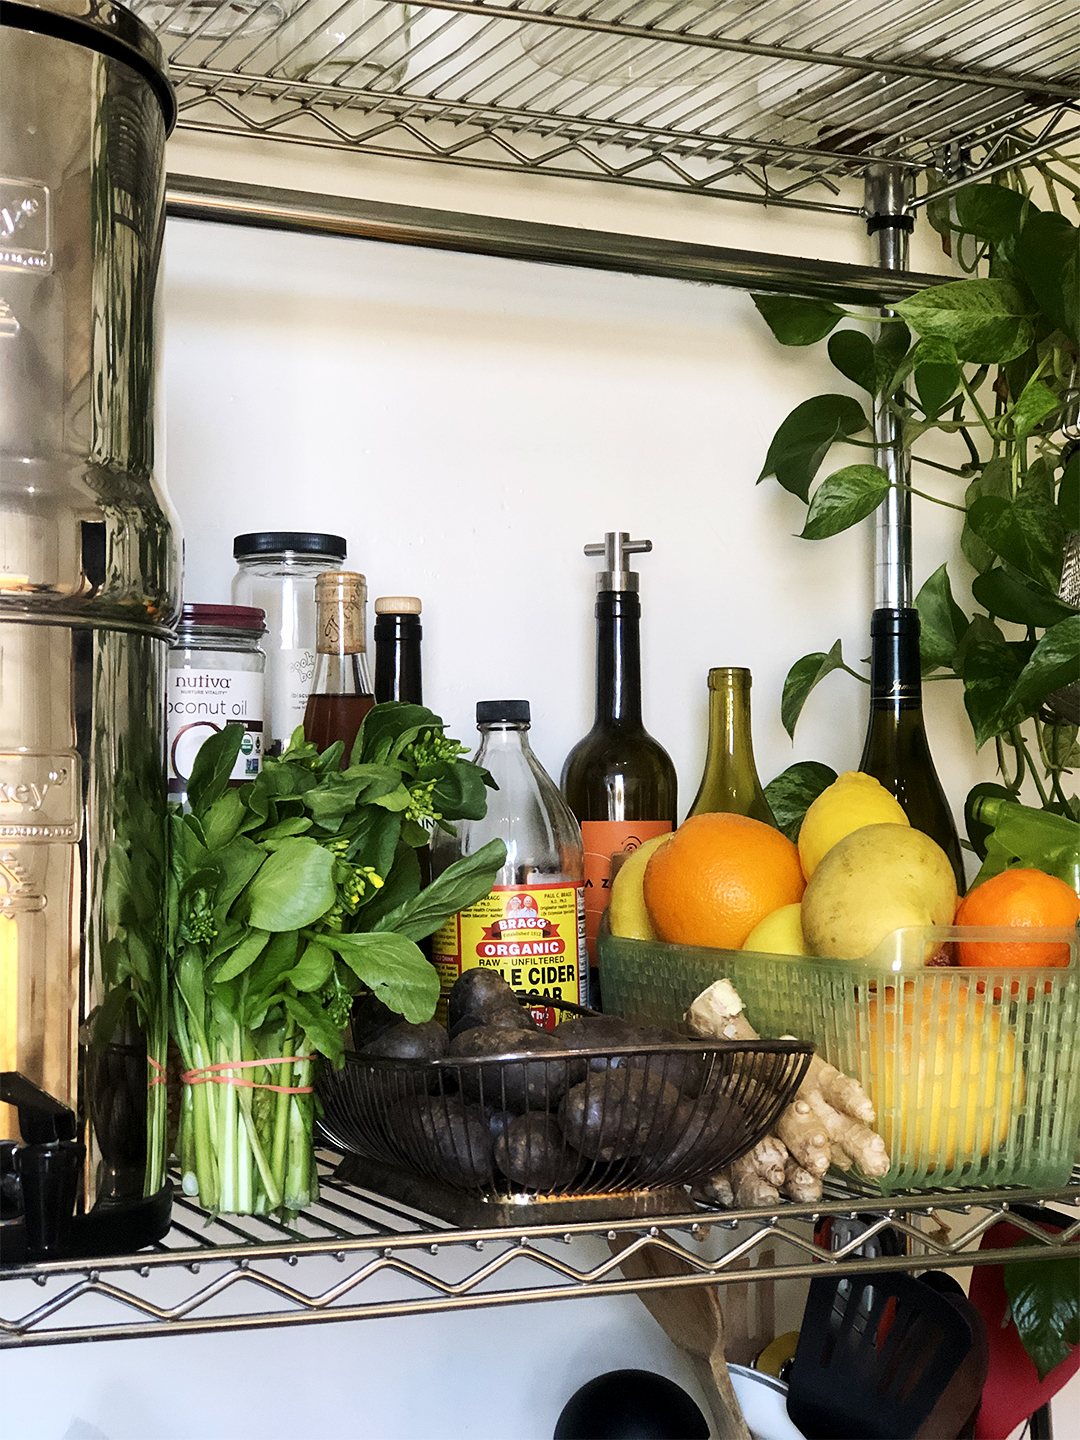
[{"x": 585, "y": 1122}]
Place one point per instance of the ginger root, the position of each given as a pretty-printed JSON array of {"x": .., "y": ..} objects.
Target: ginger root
[{"x": 829, "y": 1123}]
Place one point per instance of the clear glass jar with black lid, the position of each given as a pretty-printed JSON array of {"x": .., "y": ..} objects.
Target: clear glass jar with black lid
[
  {"x": 276, "y": 571},
  {"x": 215, "y": 676}
]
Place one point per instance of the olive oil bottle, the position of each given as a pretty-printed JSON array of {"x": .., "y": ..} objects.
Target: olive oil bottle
[{"x": 618, "y": 780}]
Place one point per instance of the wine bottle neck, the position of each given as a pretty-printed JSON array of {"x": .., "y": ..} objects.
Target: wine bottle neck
[
  {"x": 397, "y": 659},
  {"x": 344, "y": 674},
  {"x": 895, "y": 669},
  {"x": 618, "y": 659},
  {"x": 730, "y": 743}
]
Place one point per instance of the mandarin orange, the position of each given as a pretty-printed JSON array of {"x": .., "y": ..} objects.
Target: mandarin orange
[
  {"x": 717, "y": 877},
  {"x": 1021, "y": 898}
]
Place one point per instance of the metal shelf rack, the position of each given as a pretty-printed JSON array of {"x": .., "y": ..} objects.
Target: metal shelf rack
[
  {"x": 774, "y": 101},
  {"x": 356, "y": 1255}
]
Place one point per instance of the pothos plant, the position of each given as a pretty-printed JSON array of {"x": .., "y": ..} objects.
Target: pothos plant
[
  {"x": 987, "y": 369},
  {"x": 982, "y": 375}
]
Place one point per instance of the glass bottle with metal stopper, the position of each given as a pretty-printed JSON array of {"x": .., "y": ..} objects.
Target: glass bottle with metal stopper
[
  {"x": 730, "y": 780},
  {"x": 341, "y": 692},
  {"x": 618, "y": 780}
]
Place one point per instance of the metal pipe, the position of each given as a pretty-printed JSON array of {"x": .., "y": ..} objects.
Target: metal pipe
[
  {"x": 263, "y": 207},
  {"x": 890, "y": 226}
]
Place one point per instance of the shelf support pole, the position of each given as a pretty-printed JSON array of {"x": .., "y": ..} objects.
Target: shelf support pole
[{"x": 889, "y": 226}]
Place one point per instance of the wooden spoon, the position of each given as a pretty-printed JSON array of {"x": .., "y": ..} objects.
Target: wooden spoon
[{"x": 692, "y": 1319}]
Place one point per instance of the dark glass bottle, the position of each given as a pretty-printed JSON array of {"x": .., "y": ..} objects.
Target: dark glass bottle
[
  {"x": 398, "y": 674},
  {"x": 618, "y": 780},
  {"x": 341, "y": 691},
  {"x": 897, "y": 753},
  {"x": 730, "y": 780}
]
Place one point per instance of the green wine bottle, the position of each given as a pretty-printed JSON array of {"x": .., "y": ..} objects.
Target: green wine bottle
[
  {"x": 730, "y": 779},
  {"x": 618, "y": 780},
  {"x": 897, "y": 752}
]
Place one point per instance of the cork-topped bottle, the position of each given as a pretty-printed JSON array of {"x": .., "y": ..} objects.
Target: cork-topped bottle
[{"x": 341, "y": 693}]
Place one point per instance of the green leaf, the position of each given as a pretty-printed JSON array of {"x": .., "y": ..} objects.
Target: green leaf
[
  {"x": 1035, "y": 404},
  {"x": 245, "y": 954},
  {"x": 1026, "y": 532},
  {"x": 393, "y": 969},
  {"x": 403, "y": 883},
  {"x": 213, "y": 765},
  {"x": 989, "y": 212},
  {"x": 1068, "y": 497},
  {"x": 222, "y": 821},
  {"x": 843, "y": 499},
  {"x": 995, "y": 478},
  {"x": 318, "y": 1030},
  {"x": 460, "y": 884},
  {"x": 989, "y": 668},
  {"x": 943, "y": 623},
  {"x": 852, "y": 353},
  {"x": 313, "y": 968},
  {"x": 389, "y": 728},
  {"x": 233, "y": 867},
  {"x": 293, "y": 888},
  {"x": 804, "y": 438},
  {"x": 1013, "y": 597},
  {"x": 988, "y": 321},
  {"x": 461, "y": 794},
  {"x": 801, "y": 679},
  {"x": 797, "y": 321},
  {"x": 1047, "y": 254},
  {"x": 890, "y": 348},
  {"x": 1044, "y": 1299},
  {"x": 794, "y": 790},
  {"x": 1054, "y": 663},
  {"x": 937, "y": 373}
]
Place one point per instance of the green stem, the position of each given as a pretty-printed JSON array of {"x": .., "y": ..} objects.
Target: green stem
[
  {"x": 934, "y": 499},
  {"x": 936, "y": 465},
  {"x": 1022, "y": 750}
]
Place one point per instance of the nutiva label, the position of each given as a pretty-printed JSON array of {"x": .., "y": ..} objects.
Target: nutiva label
[
  {"x": 201, "y": 702},
  {"x": 39, "y": 796}
]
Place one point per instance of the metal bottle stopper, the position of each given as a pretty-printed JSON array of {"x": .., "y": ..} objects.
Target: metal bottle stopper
[{"x": 616, "y": 546}]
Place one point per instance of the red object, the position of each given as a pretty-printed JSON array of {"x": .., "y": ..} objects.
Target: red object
[{"x": 1013, "y": 1390}]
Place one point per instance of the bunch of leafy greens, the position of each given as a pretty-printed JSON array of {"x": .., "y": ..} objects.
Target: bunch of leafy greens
[
  {"x": 991, "y": 371},
  {"x": 289, "y": 895}
]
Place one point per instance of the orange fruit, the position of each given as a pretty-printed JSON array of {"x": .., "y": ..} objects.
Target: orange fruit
[
  {"x": 717, "y": 877},
  {"x": 1020, "y": 898}
]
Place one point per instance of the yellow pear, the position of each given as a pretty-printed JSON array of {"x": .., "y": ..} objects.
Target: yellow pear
[
  {"x": 872, "y": 882},
  {"x": 627, "y": 913},
  {"x": 850, "y": 802},
  {"x": 779, "y": 933}
]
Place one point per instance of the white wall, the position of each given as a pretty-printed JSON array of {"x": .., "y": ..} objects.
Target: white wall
[{"x": 469, "y": 424}]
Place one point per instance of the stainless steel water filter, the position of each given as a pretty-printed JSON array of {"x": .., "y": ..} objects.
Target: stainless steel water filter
[{"x": 89, "y": 587}]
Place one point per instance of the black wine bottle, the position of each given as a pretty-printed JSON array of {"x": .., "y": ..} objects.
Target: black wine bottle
[
  {"x": 897, "y": 752},
  {"x": 398, "y": 674},
  {"x": 618, "y": 780}
]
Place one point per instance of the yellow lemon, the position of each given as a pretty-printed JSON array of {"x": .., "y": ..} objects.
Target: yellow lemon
[
  {"x": 943, "y": 1076},
  {"x": 851, "y": 801},
  {"x": 627, "y": 914},
  {"x": 779, "y": 933}
]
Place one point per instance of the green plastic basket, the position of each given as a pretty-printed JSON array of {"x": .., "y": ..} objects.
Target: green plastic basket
[{"x": 975, "y": 1072}]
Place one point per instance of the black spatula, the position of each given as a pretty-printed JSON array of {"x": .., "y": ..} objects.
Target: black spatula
[{"x": 875, "y": 1355}]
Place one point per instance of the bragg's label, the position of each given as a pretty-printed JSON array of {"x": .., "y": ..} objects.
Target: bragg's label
[
  {"x": 533, "y": 935},
  {"x": 602, "y": 840}
]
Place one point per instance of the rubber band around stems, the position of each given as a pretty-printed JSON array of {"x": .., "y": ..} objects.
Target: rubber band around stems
[{"x": 209, "y": 1074}]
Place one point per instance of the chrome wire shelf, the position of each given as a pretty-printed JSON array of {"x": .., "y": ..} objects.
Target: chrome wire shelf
[
  {"x": 357, "y": 1255},
  {"x": 775, "y": 101}
]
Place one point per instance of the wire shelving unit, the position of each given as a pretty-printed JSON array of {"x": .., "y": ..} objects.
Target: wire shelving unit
[
  {"x": 358, "y": 1255},
  {"x": 774, "y": 101}
]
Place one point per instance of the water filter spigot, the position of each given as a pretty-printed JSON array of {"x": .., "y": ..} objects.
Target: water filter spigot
[{"x": 616, "y": 547}]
